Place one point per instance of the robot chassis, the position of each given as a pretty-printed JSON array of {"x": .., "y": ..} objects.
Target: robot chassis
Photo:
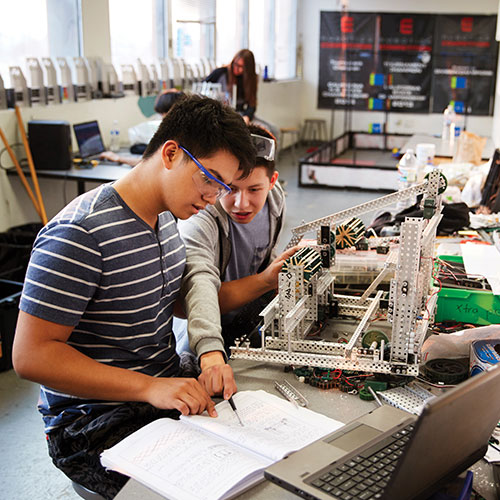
[{"x": 291, "y": 315}]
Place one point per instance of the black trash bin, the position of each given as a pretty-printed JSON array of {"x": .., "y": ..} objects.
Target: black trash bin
[
  {"x": 10, "y": 294},
  {"x": 15, "y": 250}
]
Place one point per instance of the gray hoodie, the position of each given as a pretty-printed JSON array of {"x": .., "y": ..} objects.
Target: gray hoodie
[{"x": 208, "y": 250}]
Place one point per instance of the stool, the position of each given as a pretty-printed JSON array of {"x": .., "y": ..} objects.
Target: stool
[
  {"x": 314, "y": 130},
  {"x": 294, "y": 138},
  {"x": 85, "y": 492}
]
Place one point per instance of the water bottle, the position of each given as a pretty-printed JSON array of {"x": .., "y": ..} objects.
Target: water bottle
[
  {"x": 114, "y": 139},
  {"x": 407, "y": 170},
  {"x": 449, "y": 120},
  {"x": 459, "y": 124}
]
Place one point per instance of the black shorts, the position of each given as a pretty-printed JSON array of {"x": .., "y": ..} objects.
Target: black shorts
[{"x": 76, "y": 449}]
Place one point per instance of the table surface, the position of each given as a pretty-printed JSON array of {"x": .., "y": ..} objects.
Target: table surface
[
  {"x": 251, "y": 375},
  {"x": 445, "y": 149},
  {"x": 99, "y": 173}
]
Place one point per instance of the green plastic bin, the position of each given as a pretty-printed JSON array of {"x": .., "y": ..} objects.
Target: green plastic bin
[{"x": 479, "y": 307}]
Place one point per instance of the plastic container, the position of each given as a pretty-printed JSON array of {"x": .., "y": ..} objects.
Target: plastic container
[
  {"x": 459, "y": 124},
  {"x": 425, "y": 159},
  {"x": 114, "y": 138},
  {"x": 479, "y": 307},
  {"x": 483, "y": 355},
  {"x": 449, "y": 120},
  {"x": 407, "y": 169}
]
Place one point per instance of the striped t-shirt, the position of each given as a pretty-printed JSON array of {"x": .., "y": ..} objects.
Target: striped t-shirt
[{"x": 100, "y": 268}]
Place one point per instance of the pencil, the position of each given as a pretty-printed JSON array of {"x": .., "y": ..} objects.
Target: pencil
[{"x": 233, "y": 406}]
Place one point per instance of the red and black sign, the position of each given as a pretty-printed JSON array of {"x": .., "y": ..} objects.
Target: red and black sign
[
  {"x": 465, "y": 64},
  {"x": 406, "y": 62}
]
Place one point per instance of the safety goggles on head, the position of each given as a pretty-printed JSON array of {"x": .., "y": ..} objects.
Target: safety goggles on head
[
  {"x": 264, "y": 146},
  {"x": 208, "y": 185}
]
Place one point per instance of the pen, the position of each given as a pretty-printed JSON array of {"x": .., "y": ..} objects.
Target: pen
[
  {"x": 374, "y": 394},
  {"x": 233, "y": 406}
]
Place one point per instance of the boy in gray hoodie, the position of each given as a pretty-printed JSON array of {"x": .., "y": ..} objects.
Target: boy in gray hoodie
[{"x": 231, "y": 263}]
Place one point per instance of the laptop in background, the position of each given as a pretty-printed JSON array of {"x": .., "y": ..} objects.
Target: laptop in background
[
  {"x": 90, "y": 143},
  {"x": 391, "y": 454}
]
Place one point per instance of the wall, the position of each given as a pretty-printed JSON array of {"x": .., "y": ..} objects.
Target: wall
[
  {"x": 15, "y": 206},
  {"x": 274, "y": 100},
  {"x": 406, "y": 123},
  {"x": 284, "y": 104}
]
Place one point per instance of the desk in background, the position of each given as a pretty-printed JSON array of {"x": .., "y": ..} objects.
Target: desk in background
[
  {"x": 252, "y": 375},
  {"x": 445, "y": 149},
  {"x": 99, "y": 173}
]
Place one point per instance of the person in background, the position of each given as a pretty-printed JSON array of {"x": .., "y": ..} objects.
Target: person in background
[
  {"x": 232, "y": 265},
  {"x": 95, "y": 319},
  {"x": 240, "y": 74},
  {"x": 163, "y": 103}
]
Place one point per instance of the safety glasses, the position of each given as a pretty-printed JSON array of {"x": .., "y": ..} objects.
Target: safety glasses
[
  {"x": 264, "y": 146},
  {"x": 208, "y": 185}
]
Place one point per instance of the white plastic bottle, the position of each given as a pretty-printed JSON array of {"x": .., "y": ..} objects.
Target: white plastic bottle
[
  {"x": 407, "y": 169},
  {"x": 459, "y": 124},
  {"x": 114, "y": 138},
  {"x": 449, "y": 120}
]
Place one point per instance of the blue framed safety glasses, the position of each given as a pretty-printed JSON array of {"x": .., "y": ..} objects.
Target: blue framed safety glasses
[{"x": 208, "y": 185}]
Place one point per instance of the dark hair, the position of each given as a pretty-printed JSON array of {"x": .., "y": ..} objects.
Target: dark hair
[
  {"x": 259, "y": 161},
  {"x": 205, "y": 126},
  {"x": 249, "y": 76},
  {"x": 165, "y": 101}
]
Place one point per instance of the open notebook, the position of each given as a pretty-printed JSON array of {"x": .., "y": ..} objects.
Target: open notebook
[{"x": 199, "y": 457}]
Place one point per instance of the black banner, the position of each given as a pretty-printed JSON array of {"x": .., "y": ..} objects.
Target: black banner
[
  {"x": 406, "y": 50},
  {"x": 346, "y": 60},
  {"x": 407, "y": 62},
  {"x": 465, "y": 64}
]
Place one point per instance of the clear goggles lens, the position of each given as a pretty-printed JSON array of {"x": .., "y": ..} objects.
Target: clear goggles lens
[
  {"x": 208, "y": 187},
  {"x": 264, "y": 146}
]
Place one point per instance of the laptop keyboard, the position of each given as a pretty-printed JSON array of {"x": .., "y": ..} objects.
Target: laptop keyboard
[{"x": 364, "y": 476}]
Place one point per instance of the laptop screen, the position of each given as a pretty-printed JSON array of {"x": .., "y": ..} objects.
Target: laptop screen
[{"x": 89, "y": 139}]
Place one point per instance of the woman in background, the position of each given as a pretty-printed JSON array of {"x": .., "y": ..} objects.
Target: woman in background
[{"x": 240, "y": 73}]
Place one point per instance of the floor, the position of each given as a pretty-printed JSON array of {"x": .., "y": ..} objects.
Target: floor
[{"x": 26, "y": 469}]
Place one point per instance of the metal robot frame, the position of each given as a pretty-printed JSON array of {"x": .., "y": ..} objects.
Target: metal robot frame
[{"x": 303, "y": 292}]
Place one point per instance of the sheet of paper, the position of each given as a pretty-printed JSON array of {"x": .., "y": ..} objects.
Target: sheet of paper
[
  {"x": 272, "y": 426},
  {"x": 183, "y": 462},
  {"x": 483, "y": 260}
]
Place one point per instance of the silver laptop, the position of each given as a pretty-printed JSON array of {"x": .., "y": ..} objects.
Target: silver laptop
[{"x": 391, "y": 454}]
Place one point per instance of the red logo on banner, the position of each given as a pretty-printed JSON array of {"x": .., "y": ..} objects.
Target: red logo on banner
[
  {"x": 346, "y": 24},
  {"x": 466, "y": 24},
  {"x": 406, "y": 26}
]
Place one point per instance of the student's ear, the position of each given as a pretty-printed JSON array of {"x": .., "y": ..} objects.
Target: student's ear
[
  {"x": 274, "y": 178},
  {"x": 168, "y": 152}
]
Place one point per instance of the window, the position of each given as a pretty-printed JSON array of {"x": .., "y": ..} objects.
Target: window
[
  {"x": 285, "y": 54},
  {"x": 37, "y": 28},
  {"x": 261, "y": 33},
  {"x": 193, "y": 29},
  {"x": 267, "y": 27},
  {"x": 232, "y": 34},
  {"x": 133, "y": 31}
]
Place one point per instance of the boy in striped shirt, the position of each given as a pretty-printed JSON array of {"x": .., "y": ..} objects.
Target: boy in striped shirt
[{"x": 96, "y": 312}]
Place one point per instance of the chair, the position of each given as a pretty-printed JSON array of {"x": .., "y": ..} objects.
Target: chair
[
  {"x": 294, "y": 139},
  {"x": 314, "y": 130},
  {"x": 85, "y": 492}
]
